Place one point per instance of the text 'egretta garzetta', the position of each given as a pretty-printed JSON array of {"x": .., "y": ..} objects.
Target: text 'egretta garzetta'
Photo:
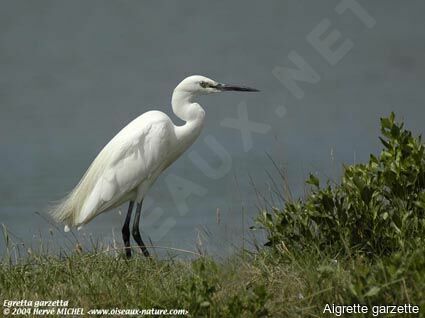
[{"x": 130, "y": 163}]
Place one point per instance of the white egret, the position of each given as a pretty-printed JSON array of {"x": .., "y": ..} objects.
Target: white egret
[{"x": 130, "y": 163}]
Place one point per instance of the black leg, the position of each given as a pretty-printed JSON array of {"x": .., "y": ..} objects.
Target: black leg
[
  {"x": 136, "y": 232},
  {"x": 126, "y": 230}
]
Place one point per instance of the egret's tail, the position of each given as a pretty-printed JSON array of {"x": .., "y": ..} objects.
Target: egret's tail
[
  {"x": 69, "y": 209},
  {"x": 65, "y": 211}
]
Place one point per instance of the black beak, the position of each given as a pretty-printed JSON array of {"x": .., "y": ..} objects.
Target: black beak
[{"x": 227, "y": 87}]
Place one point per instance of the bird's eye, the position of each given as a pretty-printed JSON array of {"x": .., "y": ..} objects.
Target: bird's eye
[{"x": 204, "y": 84}]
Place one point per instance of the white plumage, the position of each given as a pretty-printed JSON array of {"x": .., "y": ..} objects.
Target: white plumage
[{"x": 130, "y": 163}]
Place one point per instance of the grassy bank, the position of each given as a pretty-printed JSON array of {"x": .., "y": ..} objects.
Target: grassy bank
[
  {"x": 261, "y": 285},
  {"x": 357, "y": 242}
]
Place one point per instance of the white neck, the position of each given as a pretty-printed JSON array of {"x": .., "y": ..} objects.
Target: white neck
[
  {"x": 184, "y": 107},
  {"x": 192, "y": 113}
]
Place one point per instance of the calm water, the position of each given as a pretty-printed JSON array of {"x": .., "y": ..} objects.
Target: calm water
[{"x": 73, "y": 73}]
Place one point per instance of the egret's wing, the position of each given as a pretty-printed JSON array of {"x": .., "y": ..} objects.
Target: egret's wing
[{"x": 125, "y": 162}]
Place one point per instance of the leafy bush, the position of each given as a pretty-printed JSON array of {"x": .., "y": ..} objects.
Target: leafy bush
[
  {"x": 377, "y": 209},
  {"x": 387, "y": 280}
]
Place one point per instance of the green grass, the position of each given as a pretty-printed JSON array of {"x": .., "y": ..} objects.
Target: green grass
[
  {"x": 263, "y": 285},
  {"x": 358, "y": 242}
]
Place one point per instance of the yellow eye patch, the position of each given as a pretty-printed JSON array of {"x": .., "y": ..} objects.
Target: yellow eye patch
[{"x": 204, "y": 84}]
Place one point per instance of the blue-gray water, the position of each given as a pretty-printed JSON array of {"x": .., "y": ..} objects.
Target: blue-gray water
[{"x": 73, "y": 73}]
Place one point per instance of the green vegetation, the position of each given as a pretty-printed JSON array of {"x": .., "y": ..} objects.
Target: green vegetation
[
  {"x": 361, "y": 241},
  {"x": 378, "y": 209}
]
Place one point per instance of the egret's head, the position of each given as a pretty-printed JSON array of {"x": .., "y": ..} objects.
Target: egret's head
[{"x": 201, "y": 85}]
